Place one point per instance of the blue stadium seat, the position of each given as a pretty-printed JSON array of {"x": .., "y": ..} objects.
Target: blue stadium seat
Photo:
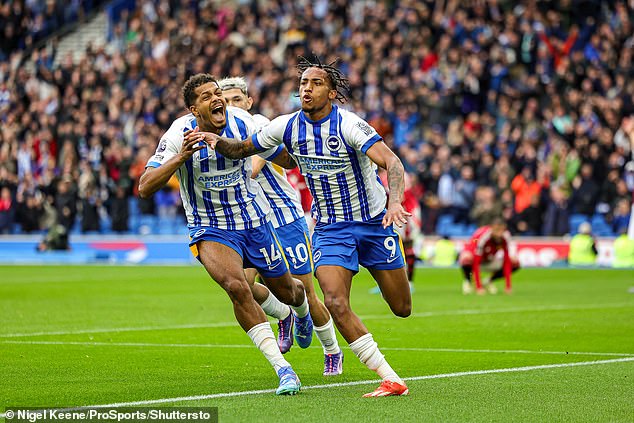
[
  {"x": 598, "y": 220},
  {"x": 105, "y": 224},
  {"x": 457, "y": 230},
  {"x": 133, "y": 206},
  {"x": 445, "y": 219},
  {"x": 133, "y": 223},
  {"x": 442, "y": 230},
  {"x": 147, "y": 224},
  {"x": 76, "y": 228},
  {"x": 167, "y": 226},
  {"x": 16, "y": 228},
  {"x": 444, "y": 224},
  {"x": 575, "y": 220},
  {"x": 600, "y": 227}
]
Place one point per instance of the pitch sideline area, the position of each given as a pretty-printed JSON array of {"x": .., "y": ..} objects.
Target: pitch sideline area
[
  {"x": 151, "y": 336},
  {"x": 361, "y": 382}
]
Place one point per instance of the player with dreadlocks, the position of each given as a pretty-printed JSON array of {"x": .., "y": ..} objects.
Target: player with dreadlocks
[
  {"x": 338, "y": 153},
  {"x": 337, "y": 79}
]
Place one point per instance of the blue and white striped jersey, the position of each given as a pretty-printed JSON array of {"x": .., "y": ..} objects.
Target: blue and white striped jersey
[
  {"x": 217, "y": 191},
  {"x": 330, "y": 154},
  {"x": 285, "y": 205}
]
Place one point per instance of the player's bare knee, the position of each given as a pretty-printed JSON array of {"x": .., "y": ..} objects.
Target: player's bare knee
[
  {"x": 402, "y": 309},
  {"x": 296, "y": 293},
  {"x": 238, "y": 290},
  {"x": 300, "y": 291},
  {"x": 405, "y": 311},
  {"x": 336, "y": 305}
]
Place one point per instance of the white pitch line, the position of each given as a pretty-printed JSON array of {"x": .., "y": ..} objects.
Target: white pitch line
[
  {"x": 560, "y": 307},
  {"x": 127, "y": 344},
  {"x": 415, "y": 349},
  {"x": 489, "y": 351},
  {"x": 128, "y": 329},
  {"x": 343, "y": 384}
]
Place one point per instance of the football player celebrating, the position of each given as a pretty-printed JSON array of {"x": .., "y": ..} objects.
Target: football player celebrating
[
  {"x": 227, "y": 215},
  {"x": 338, "y": 154},
  {"x": 290, "y": 225}
]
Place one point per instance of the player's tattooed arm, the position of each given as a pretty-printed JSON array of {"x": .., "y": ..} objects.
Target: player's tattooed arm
[
  {"x": 229, "y": 148},
  {"x": 234, "y": 149},
  {"x": 380, "y": 154},
  {"x": 396, "y": 180}
]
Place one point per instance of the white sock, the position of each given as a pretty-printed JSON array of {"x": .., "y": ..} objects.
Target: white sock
[
  {"x": 327, "y": 337},
  {"x": 368, "y": 352},
  {"x": 302, "y": 310},
  {"x": 275, "y": 308},
  {"x": 263, "y": 338}
]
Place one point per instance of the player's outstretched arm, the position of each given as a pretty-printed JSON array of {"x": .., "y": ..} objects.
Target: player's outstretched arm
[
  {"x": 380, "y": 154},
  {"x": 153, "y": 179},
  {"x": 229, "y": 148}
]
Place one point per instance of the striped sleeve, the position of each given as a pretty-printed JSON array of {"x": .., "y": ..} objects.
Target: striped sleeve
[
  {"x": 358, "y": 132},
  {"x": 271, "y": 153},
  {"x": 270, "y": 135}
]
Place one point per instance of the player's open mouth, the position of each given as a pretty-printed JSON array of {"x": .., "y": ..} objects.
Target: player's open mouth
[
  {"x": 218, "y": 111},
  {"x": 307, "y": 99}
]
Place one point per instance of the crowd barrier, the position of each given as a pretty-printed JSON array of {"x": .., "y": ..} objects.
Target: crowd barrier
[
  {"x": 173, "y": 249},
  {"x": 534, "y": 251}
]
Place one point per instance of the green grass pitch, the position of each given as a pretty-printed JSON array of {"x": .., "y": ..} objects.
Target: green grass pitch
[{"x": 80, "y": 336}]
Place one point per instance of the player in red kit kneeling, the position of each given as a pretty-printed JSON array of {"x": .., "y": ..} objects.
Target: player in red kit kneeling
[{"x": 481, "y": 252}]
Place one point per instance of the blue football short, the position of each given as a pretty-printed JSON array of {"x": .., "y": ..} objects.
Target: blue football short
[
  {"x": 258, "y": 247},
  {"x": 294, "y": 238},
  {"x": 350, "y": 244}
]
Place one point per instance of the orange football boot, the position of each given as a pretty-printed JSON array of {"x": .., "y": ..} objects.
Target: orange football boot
[{"x": 388, "y": 389}]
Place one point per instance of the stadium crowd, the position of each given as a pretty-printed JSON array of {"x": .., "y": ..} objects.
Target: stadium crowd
[
  {"x": 25, "y": 23},
  {"x": 521, "y": 109}
]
